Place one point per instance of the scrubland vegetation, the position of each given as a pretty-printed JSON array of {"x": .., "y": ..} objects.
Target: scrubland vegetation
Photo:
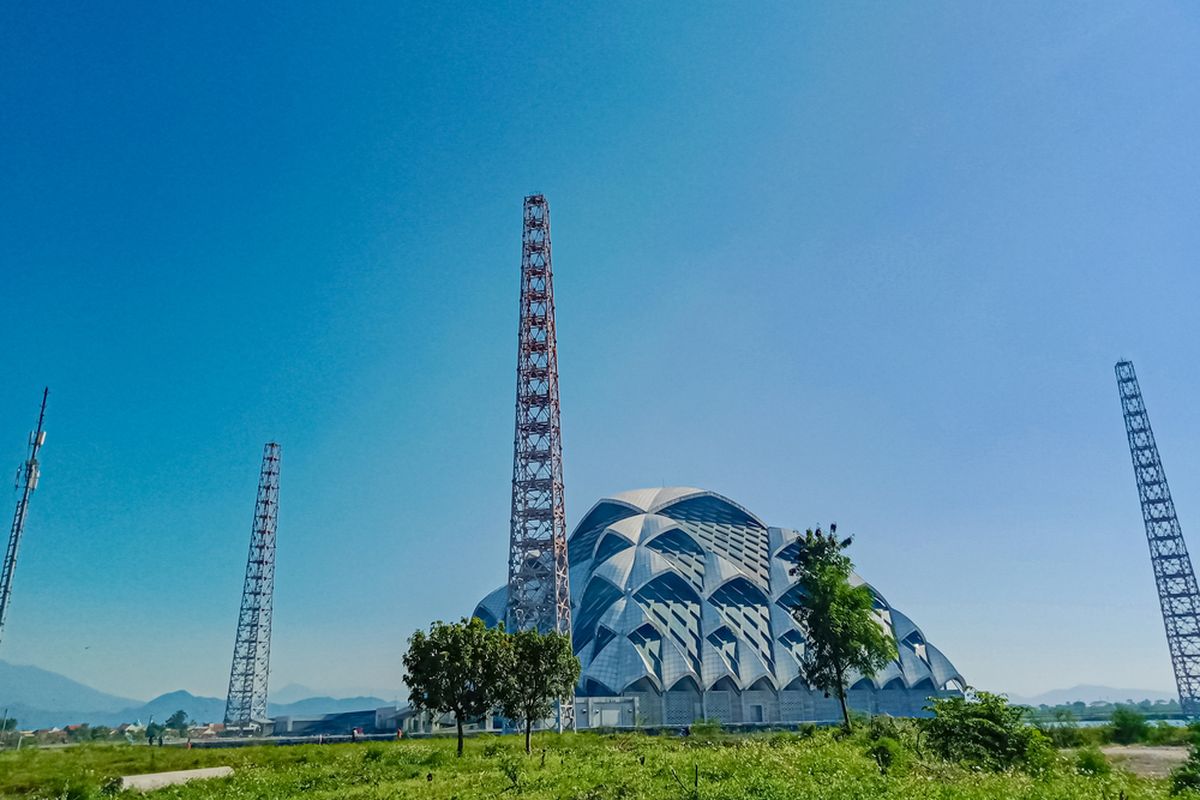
[{"x": 973, "y": 749}]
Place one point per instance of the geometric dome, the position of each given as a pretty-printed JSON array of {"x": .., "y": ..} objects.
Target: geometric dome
[{"x": 681, "y": 588}]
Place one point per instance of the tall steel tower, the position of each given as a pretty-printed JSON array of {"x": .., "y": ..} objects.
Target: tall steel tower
[
  {"x": 539, "y": 594},
  {"x": 27, "y": 480},
  {"x": 247, "y": 700},
  {"x": 1177, "y": 591}
]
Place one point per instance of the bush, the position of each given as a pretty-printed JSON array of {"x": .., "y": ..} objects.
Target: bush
[
  {"x": 1127, "y": 726},
  {"x": 1063, "y": 731},
  {"x": 706, "y": 728},
  {"x": 1186, "y": 777},
  {"x": 1090, "y": 761},
  {"x": 882, "y": 727},
  {"x": 889, "y": 754},
  {"x": 982, "y": 730}
]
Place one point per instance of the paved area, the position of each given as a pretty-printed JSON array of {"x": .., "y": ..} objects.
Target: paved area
[
  {"x": 157, "y": 780},
  {"x": 1151, "y": 762}
]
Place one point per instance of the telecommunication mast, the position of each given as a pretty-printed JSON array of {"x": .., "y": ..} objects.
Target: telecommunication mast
[
  {"x": 1178, "y": 595},
  {"x": 246, "y": 703},
  {"x": 539, "y": 594},
  {"x": 26, "y": 483}
]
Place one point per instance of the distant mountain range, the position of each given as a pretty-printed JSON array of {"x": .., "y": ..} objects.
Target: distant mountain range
[
  {"x": 38, "y": 698},
  {"x": 1086, "y": 693}
]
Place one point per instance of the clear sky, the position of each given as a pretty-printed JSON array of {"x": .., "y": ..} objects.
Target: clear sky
[{"x": 866, "y": 263}]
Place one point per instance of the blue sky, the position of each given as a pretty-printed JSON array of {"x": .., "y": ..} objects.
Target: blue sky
[{"x": 868, "y": 263}]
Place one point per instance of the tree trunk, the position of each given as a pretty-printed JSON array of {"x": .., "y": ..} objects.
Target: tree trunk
[
  {"x": 458, "y": 721},
  {"x": 528, "y": 736},
  {"x": 841, "y": 688}
]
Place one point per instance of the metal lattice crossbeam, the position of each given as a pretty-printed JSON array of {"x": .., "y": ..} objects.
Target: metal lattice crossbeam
[
  {"x": 1178, "y": 594},
  {"x": 246, "y": 702},
  {"x": 539, "y": 594}
]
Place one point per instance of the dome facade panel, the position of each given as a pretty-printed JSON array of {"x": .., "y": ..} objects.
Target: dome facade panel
[{"x": 681, "y": 587}]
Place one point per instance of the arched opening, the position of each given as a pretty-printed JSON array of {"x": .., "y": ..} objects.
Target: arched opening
[
  {"x": 724, "y": 684},
  {"x": 686, "y": 684}
]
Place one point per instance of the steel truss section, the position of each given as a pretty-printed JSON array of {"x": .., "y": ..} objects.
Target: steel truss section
[
  {"x": 27, "y": 480},
  {"x": 539, "y": 593},
  {"x": 1176, "y": 581},
  {"x": 246, "y": 703}
]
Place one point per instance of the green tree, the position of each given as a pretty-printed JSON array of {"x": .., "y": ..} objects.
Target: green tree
[
  {"x": 842, "y": 635},
  {"x": 1127, "y": 726},
  {"x": 178, "y": 722},
  {"x": 456, "y": 668},
  {"x": 542, "y": 669}
]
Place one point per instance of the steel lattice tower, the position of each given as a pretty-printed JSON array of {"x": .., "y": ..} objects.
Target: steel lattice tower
[
  {"x": 27, "y": 480},
  {"x": 247, "y": 699},
  {"x": 539, "y": 593},
  {"x": 1177, "y": 591}
]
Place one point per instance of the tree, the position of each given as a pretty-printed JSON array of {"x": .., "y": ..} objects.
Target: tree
[
  {"x": 178, "y": 721},
  {"x": 1127, "y": 726},
  {"x": 542, "y": 668},
  {"x": 456, "y": 668},
  {"x": 842, "y": 635}
]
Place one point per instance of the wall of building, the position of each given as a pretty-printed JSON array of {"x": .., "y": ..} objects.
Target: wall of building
[{"x": 758, "y": 707}]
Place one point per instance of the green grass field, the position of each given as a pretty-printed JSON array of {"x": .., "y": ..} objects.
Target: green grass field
[{"x": 571, "y": 766}]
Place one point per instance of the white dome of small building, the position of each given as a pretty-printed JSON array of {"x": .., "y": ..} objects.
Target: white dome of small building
[{"x": 680, "y": 602}]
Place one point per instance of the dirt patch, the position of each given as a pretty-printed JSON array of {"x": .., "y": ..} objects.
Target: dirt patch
[{"x": 1150, "y": 762}]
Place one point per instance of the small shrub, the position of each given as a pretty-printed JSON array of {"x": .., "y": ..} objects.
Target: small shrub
[
  {"x": 888, "y": 753},
  {"x": 1090, "y": 761},
  {"x": 1127, "y": 726},
  {"x": 1186, "y": 777},
  {"x": 373, "y": 753},
  {"x": 1164, "y": 733},
  {"x": 512, "y": 767},
  {"x": 1063, "y": 731},
  {"x": 882, "y": 727},
  {"x": 706, "y": 728}
]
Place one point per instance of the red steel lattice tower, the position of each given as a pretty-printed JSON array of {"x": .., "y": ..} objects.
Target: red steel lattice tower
[
  {"x": 246, "y": 703},
  {"x": 27, "y": 480},
  {"x": 539, "y": 593}
]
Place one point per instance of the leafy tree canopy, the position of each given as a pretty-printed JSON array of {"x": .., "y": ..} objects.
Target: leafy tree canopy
[
  {"x": 543, "y": 668},
  {"x": 456, "y": 668},
  {"x": 842, "y": 635}
]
